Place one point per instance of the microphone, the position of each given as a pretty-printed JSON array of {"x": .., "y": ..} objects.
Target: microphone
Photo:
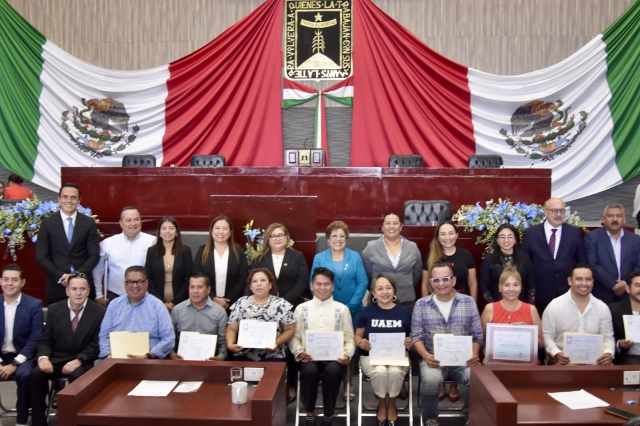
[{"x": 283, "y": 189}]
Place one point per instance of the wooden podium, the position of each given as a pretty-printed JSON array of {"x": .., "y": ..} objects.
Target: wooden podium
[
  {"x": 506, "y": 396},
  {"x": 100, "y": 397}
]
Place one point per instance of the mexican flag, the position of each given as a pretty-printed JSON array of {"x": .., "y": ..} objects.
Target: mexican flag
[
  {"x": 578, "y": 117},
  {"x": 57, "y": 111}
]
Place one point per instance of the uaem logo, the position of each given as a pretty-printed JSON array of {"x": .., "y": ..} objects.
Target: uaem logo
[{"x": 318, "y": 40}]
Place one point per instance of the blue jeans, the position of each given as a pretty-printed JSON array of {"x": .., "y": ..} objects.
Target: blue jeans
[{"x": 431, "y": 381}]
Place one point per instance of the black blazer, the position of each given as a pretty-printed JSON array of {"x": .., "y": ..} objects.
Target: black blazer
[
  {"x": 55, "y": 256},
  {"x": 551, "y": 274},
  {"x": 237, "y": 272},
  {"x": 60, "y": 344},
  {"x": 490, "y": 277},
  {"x": 618, "y": 309},
  {"x": 294, "y": 274},
  {"x": 182, "y": 266}
]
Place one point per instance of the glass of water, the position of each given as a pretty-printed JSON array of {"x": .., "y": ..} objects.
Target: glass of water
[{"x": 236, "y": 374}]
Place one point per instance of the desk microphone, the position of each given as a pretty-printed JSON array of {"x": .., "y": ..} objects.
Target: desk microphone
[{"x": 283, "y": 189}]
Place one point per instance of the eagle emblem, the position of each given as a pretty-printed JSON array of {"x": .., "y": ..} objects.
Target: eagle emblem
[
  {"x": 101, "y": 128},
  {"x": 542, "y": 130}
]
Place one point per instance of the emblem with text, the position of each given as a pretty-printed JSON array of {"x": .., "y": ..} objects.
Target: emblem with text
[{"x": 318, "y": 40}]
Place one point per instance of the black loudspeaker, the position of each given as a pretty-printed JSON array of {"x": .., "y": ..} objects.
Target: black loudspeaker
[{"x": 406, "y": 161}]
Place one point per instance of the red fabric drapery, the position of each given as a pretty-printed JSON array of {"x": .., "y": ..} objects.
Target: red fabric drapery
[
  {"x": 226, "y": 97},
  {"x": 407, "y": 98}
]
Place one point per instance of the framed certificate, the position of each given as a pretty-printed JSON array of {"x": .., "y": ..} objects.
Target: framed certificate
[{"x": 511, "y": 344}]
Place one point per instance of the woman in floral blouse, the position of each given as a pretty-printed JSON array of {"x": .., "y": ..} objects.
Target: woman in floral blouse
[{"x": 261, "y": 304}]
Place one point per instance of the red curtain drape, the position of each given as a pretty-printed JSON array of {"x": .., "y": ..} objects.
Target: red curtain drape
[
  {"x": 226, "y": 97},
  {"x": 407, "y": 98}
]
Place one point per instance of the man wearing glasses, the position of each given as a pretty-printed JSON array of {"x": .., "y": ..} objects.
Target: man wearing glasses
[
  {"x": 553, "y": 247},
  {"x": 136, "y": 312},
  {"x": 68, "y": 345},
  {"x": 445, "y": 311},
  {"x": 613, "y": 254}
]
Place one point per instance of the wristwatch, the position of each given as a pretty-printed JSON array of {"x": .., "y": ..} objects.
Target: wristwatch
[{"x": 15, "y": 363}]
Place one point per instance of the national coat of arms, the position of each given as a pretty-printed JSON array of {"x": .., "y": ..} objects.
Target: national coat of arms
[
  {"x": 542, "y": 130},
  {"x": 101, "y": 128}
]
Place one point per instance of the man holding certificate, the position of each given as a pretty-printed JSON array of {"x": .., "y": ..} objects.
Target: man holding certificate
[
  {"x": 202, "y": 315},
  {"x": 323, "y": 345},
  {"x": 626, "y": 323},
  {"x": 138, "y": 312},
  {"x": 577, "y": 326},
  {"x": 447, "y": 334}
]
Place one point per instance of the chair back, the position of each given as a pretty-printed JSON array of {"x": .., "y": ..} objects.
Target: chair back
[
  {"x": 137, "y": 160},
  {"x": 423, "y": 212},
  {"x": 488, "y": 161},
  {"x": 208, "y": 161},
  {"x": 406, "y": 161}
]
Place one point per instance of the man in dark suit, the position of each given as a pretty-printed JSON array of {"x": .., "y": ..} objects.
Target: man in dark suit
[
  {"x": 554, "y": 247},
  {"x": 20, "y": 328},
  {"x": 613, "y": 254},
  {"x": 67, "y": 242},
  {"x": 69, "y": 343},
  {"x": 627, "y": 352}
]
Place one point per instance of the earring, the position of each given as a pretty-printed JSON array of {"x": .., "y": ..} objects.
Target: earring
[
  {"x": 374, "y": 300},
  {"x": 394, "y": 298}
]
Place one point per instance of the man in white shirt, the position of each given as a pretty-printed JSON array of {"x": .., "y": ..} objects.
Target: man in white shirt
[
  {"x": 22, "y": 323},
  {"x": 577, "y": 311},
  {"x": 123, "y": 250},
  {"x": 322, "y": 313}
]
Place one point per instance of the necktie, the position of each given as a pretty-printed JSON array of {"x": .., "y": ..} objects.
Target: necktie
[
  {"x": 76, "y": 318},
  {"x": 552, "y": 242},
  {"x": 70, "y": 229}
]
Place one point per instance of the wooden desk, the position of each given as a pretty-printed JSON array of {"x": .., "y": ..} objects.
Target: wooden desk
[
  {"x": 100, "y": 397},
  {"x": 506, "y": 396}
]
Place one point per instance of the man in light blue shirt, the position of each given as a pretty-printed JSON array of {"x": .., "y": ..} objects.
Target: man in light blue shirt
[{"x": 138, "y": 311}]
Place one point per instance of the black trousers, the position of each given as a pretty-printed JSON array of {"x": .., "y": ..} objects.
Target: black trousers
[
  {"x": 330, "y": 372},
  {"x": 21, "y": 376},
  {"x": 39, "y": 387}
]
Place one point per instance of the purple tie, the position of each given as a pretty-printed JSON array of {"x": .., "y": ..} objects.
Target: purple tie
[
  {"x": 76, "y": 318},
  {"x": 552, "y": 242}
]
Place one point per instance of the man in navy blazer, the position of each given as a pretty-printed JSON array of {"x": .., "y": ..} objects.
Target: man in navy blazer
[
  {"x": 613, "y": 254},
  {"x": 553, "y": 268},
  {"x": 58, "y": 257},
  {"x": 22, "y": 315}
]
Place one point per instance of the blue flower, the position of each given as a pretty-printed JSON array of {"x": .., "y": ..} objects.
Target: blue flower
[
  {"x": 87, "y": 211},
  {"x": 34, "y": 238},
  {"x": 27, "y": 212},
  {"x": 33, "y": 226},
  {"x": 38, "y": 212},
  {"x": 18, "y": 208},
  {"x": 252, "y": 233},
  {"x": 7, "y": 232},
  {"x": 480, "y": 227},
  {"x": 472, "y": 217}
]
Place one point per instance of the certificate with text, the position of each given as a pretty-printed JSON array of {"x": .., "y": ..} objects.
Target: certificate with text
[
  {"x": 452, "y": 350},
  {"x": 512, "y": 344},
  {"x": 632, "y": 327},
  {"x": 325, "y": 345},
  {"x": 582, "y": 348},
  {"x": 257, "y": 334},
  {"x": 196, "y": 346},
  {"x": 387, "y": 349}
]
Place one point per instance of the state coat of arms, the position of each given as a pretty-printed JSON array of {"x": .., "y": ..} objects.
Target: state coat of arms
[
  {"x": 542, "y": 130},
  {"x": 101, "y": 128}
]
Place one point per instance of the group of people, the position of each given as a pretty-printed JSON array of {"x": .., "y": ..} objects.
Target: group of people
[
  {"x": 14, "y": 190},
  {"x": 155, "y": 285}
]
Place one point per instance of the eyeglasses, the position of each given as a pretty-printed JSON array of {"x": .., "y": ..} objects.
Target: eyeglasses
[
  {"x": 277, "y": 236},
  {"x": 136, "y": 283},
  {"x": 555, "y": 211},
  {"x": 78, "y": 275},
  {"x": 338, "y": 237},
  {"x": 443, "y": 280},
  {"x": 506, "y": 237}
]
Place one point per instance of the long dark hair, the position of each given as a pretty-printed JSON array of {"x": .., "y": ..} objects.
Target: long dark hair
[
  {"x": 209, "y": 246},
  {"x": 178, "y": 247},
  {"x": 496, "y": 252}
]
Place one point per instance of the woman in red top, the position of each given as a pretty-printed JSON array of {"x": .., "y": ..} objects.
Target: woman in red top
[
  {"x": 510, "y": 309},
  {"x": 15, "y": 191}
]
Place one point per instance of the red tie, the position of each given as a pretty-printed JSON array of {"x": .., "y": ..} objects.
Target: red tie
[
  {"x": 76, "y": 318},
  {"x": 552, "y": 242}
]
